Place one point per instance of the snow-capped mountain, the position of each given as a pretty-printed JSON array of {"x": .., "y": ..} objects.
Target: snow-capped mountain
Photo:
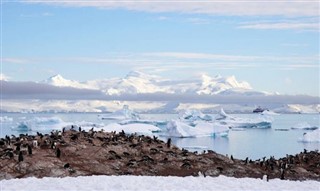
[
  {"x": 58, "y": 80},
  {"x": 219, "y": 84},
  {"x": 136, "y": 82}
]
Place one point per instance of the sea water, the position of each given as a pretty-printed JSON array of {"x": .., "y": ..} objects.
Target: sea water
[{"x": 277, "y": 141}]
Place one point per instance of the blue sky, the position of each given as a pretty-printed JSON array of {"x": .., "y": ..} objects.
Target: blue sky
[{"x": 272, "y": 45}]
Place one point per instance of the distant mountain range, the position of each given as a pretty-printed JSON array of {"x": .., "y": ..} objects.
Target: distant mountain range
[
  {"x": 148, "y": 94},
  {"x": 137, "y": 82}
]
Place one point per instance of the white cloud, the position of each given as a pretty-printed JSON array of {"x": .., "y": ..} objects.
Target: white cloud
[
  {"x": 14, "y": 60},
  {"x": 282, "y": 26},
  {"x": 291, "y": 8}
]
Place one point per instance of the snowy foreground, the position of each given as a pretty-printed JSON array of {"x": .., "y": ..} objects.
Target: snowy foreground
[{"x": 154, "y": 183}]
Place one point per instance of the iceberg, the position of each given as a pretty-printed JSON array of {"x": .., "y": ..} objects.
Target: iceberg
[
  {"x": 45, "y": 124},
  {"x": 177, "y": 128},
  {"x": 192, "y": 115},
  {"x": 313, "y": 136},
  {"x": 145, "y": 129},
  {"x": 5, "y": 119},
  {"x": 303, "y": 126},
  {"x": 123, "y": 114},
  {"x": 237, "y": 122}
]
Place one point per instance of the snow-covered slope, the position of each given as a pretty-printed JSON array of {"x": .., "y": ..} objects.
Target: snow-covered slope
[
  {"x": 136, "y": 82},
  {"x": 58, "y": 80},
  {"x": 155, "y": 183},
  {"x": 219, "y": 84}
]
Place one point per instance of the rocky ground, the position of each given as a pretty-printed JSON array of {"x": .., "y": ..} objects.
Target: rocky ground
[{"x": 80, "y": 153}]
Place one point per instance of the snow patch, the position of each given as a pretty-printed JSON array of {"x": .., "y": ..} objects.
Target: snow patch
[{"x": 154, "y": 183}]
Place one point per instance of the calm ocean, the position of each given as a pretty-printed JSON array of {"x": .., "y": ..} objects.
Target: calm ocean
[{"x": 252, "y": 143}]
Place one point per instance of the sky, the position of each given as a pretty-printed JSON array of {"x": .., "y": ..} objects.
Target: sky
[{"x": 273, "y": 45}]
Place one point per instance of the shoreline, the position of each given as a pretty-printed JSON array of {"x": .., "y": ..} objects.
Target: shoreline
[{"x": 110, "y": 153}]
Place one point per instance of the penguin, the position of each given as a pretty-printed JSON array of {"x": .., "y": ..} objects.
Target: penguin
[
  {"x": 169, "y": 143},
  {"x": 35, "y": 143},
  {"x": 18, "y": 148},
  {"x": 8, "y": 139},
  {"x": 52, "y": 145},
  {"x": 281, "y": 174},
  {"x": 58, "y": 153},
  {"x": 246, "y": 161},
  {"x": 231, "y": 157},
  {"x": 67, "y": 165},
  {"x": 20, "y": 157},
  {"x": 9, "y": 154},
  {"x": 29, "y": 150},
  {"x": 79, "y": 129}
]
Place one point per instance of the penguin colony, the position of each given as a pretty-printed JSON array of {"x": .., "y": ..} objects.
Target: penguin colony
[{"x": 76, "y": 152}]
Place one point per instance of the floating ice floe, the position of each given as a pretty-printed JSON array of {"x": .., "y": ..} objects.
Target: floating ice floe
[
  {"x": 313, "y": 136},
  {"x": 145, "y": 129},
  {"x": 123, "y": 114},
  {"x": 4, "y": 119},
  {"x": 176, "y": 128},
  {"x": 237, "y": 122},
  {"x": 193, "y": 115},
  {"x": 304, "y": 126},
  {"x": 41, "y": 124}
]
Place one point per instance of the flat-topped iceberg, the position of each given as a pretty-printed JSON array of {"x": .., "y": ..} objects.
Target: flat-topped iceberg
[
  {"x": 47, "y": 124},
  {"x": 122, "y": 114},
  {"x": 177, "y": 128},
  {"x": 304, "y": 126},
  {"x": 237, "y": 122},
  {"x": 145, "y": 129},
  {"x": 313, "y": 136}
]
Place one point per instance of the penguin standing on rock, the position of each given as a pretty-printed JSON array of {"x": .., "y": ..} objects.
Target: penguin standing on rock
[
  {"x": 20, "y": 157},
  {"x": 169, "y": 143},
  {"x": 58, "y": 153},
  {"x": 29, "y": 150},
  {"x": 281, "y": 174}
]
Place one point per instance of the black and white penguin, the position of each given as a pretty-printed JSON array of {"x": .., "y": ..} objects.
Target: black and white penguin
[
  {"x": 281, "y": 174},
  {"x": 20, "y": 157},
  {"x": 169, "y": 143}
]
